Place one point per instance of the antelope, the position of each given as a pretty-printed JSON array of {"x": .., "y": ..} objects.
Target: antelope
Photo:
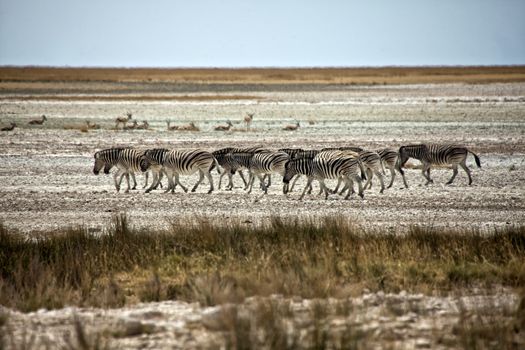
[
  {"x": 122, "y": 120},
  {"x": 190, "y": 127},
  {"x": 38, "y": 121},
  {"x": 292, "y": 127},
  {"x": 92, "y": 125},
  {"x": 144, "y": 126},
  {"x": 248, "y": 119},
  {"x": 131, "y": 127},
  {"x": 224, "y": 127},
  {"x": 9, "y": 128},
  {"x": 171, "y": 128}
]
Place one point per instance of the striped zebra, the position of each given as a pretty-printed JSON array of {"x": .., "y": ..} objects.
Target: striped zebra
[
  {"x": 225, "y": 161},
  {"x": 372, "y": 162},
  {"x": 127, "y": 160},
  {"x": 432, "y": 154},
  {"x": 155, "y": 159},
  {"x": 187, "y": 162},
  {"x": 319, "y": 168},
  {"x": 309, "y": 154},
  {"x": 239, "y": 159},
  {"x": 266, "y": 163},
  {"x": 389, "y": 159}
]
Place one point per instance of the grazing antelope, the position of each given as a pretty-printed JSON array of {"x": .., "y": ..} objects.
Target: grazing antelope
[
  {"x": 38, "y": 121},
  {"x": 171, "y": 128},
  {"x": 91, "y": 125},
  {"x": 9, "y": 128},
  {"x": 189, "y": 127},
  {"x": 248, "y": 119},
  {"x": 292, "y": 127},
  {"x": 132, "y": 126},
  {"x": 122, "y": 120},
  {"x": 224, "y": 127},
  {"x": 144, "y": 126}
]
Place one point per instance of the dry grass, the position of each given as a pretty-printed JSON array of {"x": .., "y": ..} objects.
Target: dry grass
[
  {"x": 213, "y": 265},
  {"x": 384, "y": 75}
]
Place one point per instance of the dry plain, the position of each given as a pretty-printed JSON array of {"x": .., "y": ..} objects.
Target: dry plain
[{"x": 48, "y": 184}]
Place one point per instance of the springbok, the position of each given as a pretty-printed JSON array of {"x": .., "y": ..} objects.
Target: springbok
[
  {"x": 9, "y": 128},
  {"x": 132, "y": 126},
  {"x": 248, "y": 119},
  {"x": 122, "y": 120},
  {"x": 38, "y": 121},
  {"x": 91, "y": 125},
  {"x": 292, "y": 127},
  {"x": 144, "y": 126},
  {"x": 224, "y": 127}
]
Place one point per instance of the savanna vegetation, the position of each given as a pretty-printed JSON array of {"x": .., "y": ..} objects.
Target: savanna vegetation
[{"x": 216, "y": 264}]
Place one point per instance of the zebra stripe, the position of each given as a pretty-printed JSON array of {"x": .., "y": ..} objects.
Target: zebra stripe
[
  {"x": 266, "y": 163},
  {"x": 389, "y": 158},
  {"x": 372, "y": 162},
  {"x": 127, "y": 160},
  {"x": 187, "y": 162},
  {"x": 155, "y": 160},
  {"x": 432, "y": 154}
]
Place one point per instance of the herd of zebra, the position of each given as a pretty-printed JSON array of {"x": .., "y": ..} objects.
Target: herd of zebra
[{"x": 346, "y": 164}]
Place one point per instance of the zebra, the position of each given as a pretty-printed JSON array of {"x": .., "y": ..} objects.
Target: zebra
[
  {"x": 187, "y": 162},
  {"x": 389, "y": 159},
  {"x": 222, "y": 158},
  {"x": 155, "y": 158},
  {"x": 263, "y": 163},
  {"x": 308, "y": 154},
  {"x": 237, "y": 159},
  {"x": 321, "y": 168},
  {"x": 372, "y": 162},
  {"x": 432, "y": 154},
  {"x": 127, "y": 160}
]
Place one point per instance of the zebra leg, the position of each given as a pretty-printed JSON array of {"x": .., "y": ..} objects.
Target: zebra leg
[
  {"x": 369, "y": 176},
  {"x": 263, "y": 185},
  {"x": 360, "y": 186},
  {"x": 380, "y": 176},
  {"x": 454, "y": 173},
  {"x": 349, "y": 184},
  {"x": 426, "y": 174},
  {"x": 250, "y": 182},
  {"x": 134, "y": 181},
  {"x": 464, "y": 166},
  {"x": 117, "y": 184},
  {"x": 392, "y": 176},
  {"x": 127, "y": 180},
  {"x": 220, "y": 178},
  {"x": 308, "y": 185},
  {"x": 210, "y": 179},
  {"x": 201, "y": 177},
  {"x": 230, "y": 182},
  {"x": 324, "y": 189},
  {"x": 153, "y": 181},
  {"x": 146, "y": 175},
  {"x": 404, "y": 179},
  {"x": 336, "y": 189},
  {"x": 171, "y": 184},
  {"x": 296, "y": 177},
  {"x": 177, "y": 182},
  {"x": 242, "y": 177}
]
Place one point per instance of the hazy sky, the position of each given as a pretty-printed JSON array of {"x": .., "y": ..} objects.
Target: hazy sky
[{"x": 238, "y": 33}]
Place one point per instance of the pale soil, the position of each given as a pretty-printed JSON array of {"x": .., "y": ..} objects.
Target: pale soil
[
  {"x": 47, "y": 179},
  {"x": 370, "y": 321},
  {"x": 47, "y": 183}
]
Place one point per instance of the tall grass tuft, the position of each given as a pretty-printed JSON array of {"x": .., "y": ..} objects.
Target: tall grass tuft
[{"x": 215, "y": 264}]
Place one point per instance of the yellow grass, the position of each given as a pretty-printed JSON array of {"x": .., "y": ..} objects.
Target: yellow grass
[{"x": 383, "y": 75}]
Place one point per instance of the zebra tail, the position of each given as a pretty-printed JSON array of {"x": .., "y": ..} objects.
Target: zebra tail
[{"x": 476, "y": 158}]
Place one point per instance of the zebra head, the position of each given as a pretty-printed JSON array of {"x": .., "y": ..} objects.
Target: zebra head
[
  {"x": 144, "y": 163},
  {"x": 99, "y": 163},
  {"x": 290, "y": 170}
]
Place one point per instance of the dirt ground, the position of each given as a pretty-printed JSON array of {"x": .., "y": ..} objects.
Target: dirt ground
[{"x": 47, "y": 179}]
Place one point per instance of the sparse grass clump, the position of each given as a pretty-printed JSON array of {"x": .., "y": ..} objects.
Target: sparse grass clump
[{"x": 216, "y": 264}]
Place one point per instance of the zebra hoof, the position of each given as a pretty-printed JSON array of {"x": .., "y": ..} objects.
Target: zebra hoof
[
  {"x": 362, "y": 195},
  {"x": 210, "y": 191}
]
